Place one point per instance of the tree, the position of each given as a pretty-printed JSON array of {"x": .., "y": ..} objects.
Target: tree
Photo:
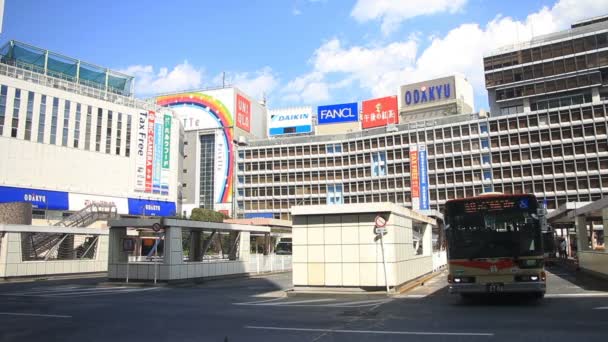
[{"x": 207, "y": 215}]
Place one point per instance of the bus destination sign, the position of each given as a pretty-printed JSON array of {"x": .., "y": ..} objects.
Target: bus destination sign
[{"x": 496, "y": 204}]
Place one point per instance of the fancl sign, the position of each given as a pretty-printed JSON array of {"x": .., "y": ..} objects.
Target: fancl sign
[
  {"x": 347, "y": 112},
  {"x": 427, "y": 92}
]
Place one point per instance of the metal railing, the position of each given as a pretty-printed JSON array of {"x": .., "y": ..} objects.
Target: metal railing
[{"x": 89, "y": 214}]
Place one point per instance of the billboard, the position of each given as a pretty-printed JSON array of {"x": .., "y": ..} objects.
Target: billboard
[
  {"x": 338, "y": 113},
  {"x": 423, "y": 175},
  {"x": 289, "y": 121},
  {"x": 79, "y": 201},
  {"x": 150, "y": 207},
  {"x": 40, "y": 199},
  {"x": 427, "y": 92},
  {"x": 379, "y": 112},
  {"x": 414, "y": 177},
  {"x": 153, "y": 153},
  {"x": 243, "y": 113}
]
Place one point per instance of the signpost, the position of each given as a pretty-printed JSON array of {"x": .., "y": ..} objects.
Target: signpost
[
  {"x": 128, "y": 246},
  {"x": 380, "y": 229}
]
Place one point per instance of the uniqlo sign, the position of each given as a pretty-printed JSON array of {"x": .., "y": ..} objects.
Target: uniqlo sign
[
  {"x": 379, "y": 112},
  {"x": 243, "y": 113}
]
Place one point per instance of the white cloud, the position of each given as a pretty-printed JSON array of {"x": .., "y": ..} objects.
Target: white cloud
[
  {"x": 149, "y": 82},
  {"x": 379, "y": 70},
  {"x": 393, "y": 12},
  {"x": 296, "y": 11},
  {"x": 255, "y": 84}
]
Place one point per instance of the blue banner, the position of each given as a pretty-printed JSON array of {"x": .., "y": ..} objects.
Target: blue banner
[
  {"x": 423, "y": 176},
  {"x": 259, "y": 215},
  {"x": 346, "y": 112},
  {"x": 151, "y": 207},
  {"x": 40, "y": 199}
]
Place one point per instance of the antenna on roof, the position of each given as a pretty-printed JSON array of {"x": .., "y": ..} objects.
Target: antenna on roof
[{"x": 223, "y": 79}]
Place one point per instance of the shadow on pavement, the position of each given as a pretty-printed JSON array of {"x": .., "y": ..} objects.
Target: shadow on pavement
[{"x": 579, "y": 278}]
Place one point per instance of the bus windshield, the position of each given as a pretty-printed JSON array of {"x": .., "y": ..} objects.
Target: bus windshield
[{"x": 493, "y": 234}]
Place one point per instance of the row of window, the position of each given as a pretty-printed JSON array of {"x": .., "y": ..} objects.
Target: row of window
[
  {"x": 72, "y": 112},
  {"x": 547, "y": 69},
  {"x": 496, "y": 124},
  {"x": 558, "y": 49},
  {"x": 552, "y": 86}
]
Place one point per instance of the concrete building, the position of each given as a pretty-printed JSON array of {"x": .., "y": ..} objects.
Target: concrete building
[
  {"x": 555, "y": 70},
  {"x": 559, "y": 153},
  {"x": 436, "y": 98},
  {"x": 71, "y": 133}
]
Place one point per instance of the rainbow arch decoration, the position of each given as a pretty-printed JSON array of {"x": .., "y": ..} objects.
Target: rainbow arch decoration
[{"x": 217, "y": 109}]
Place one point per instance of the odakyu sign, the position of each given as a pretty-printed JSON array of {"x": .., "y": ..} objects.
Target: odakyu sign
[
  {"x": 201, "y": 111},
  {"x": 40, "y": 199},
  {"x": 428, "y": 92},
  {"x": 151, "y": 207},
  {"x": 338, "y": 113}
]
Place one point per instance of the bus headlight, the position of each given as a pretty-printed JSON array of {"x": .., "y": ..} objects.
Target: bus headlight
[
  {"x": 534, "y": 278},
  {"x": 457, "y": 280}
]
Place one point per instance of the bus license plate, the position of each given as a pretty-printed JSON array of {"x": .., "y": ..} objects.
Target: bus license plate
[{"x": 495, "y": 287}]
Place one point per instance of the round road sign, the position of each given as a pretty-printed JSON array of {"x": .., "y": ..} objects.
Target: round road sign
[
  {"x": 156, "y": 227},
  {"x": 380, "y": 221}
]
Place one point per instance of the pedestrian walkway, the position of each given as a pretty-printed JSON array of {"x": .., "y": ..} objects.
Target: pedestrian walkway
[{"x": 74, "y": 291}]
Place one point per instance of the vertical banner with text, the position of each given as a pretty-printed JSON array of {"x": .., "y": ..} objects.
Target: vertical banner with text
[
  {"x": 150, "y": 151},
  {"x": 140, "y": 157},
  {"x": 414, "y": 177},
  {"x": 166, "y": 154},
  {"x": 423, "y": 174},
  {"x": 158, "y": 156}
]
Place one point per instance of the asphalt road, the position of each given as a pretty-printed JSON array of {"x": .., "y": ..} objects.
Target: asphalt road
[{"x": 86, "y": 310}]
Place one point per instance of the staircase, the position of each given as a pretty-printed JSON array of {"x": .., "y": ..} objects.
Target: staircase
[{"x": 88, "y": 215}]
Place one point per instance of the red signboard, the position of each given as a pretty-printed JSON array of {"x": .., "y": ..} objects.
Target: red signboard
[
  {"x": 150, "y": 151},
  {"x": 380, "y": 112},
  {"x": 243, "y": 113}
]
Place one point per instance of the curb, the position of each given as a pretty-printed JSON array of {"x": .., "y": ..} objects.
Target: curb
[{"x": 417, "y": 282}]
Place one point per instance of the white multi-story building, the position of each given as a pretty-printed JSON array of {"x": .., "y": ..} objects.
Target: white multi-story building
[{"x": 72, "y": 133}]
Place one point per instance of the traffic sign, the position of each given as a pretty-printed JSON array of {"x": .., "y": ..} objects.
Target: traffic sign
[
  {"x": 380, "y": 221},
  {"x": 380, "y": 231},
  {"x": 156, "y": 227}
]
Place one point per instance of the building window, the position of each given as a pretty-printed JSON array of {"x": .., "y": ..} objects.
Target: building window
[
  {"x": 54, "y": 115},
  {"x": 98, "y": 131},
  {"x": 128, "y": 147},
  {"x": 483, "y": 127},
  {"x": 333, "y": 148},
  {"x": 77, "y": 125},
  {"x": 29, "y": 116},
  {"x": 3, "y": 91},
  {"x": 109, "y": 131},
  {"x": 87, "y": 132},
  {"x": 485, "y": 143},
  {"x": 118, "y": 134},
  {"x": 379, "y": 164},
  {"x": 16, "y": 105},
  {"x": 42, "y": 119},
  {"x": 334, "y": 194},
  {"x": 66, "y": 123},
  {"x": 206, "y": 176}
]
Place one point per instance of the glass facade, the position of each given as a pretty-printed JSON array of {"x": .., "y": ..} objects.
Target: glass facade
[
  {"x": 559, "y": 155},
  {"x": 16, "y": 106},
  {"x": 98, "y": 130},
  {"x": 207, "y": 157},
  {"x": 54, "y": 119},
  {"x": 3, "y": 92},
  {"x": 87, "y": 139},
  {"x": 77, "y": 125},
  {"x": 42, "y": 119},
  {"x": 29, "y": 116},
  {"x": 128, "y": 144},
  {"x": 109, "y": 131},
  {"x": 66, "y": 123},
  {"x": 118, "y": 134}
]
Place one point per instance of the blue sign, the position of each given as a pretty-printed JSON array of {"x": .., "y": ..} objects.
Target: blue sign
[
  {"x": 40, "y": 199},
  {"x": 346, "y": 112},
  {"x": 258, "y": 215},
  {"x": 423, "y": 177},
  {"x": 151, "y": 207},
  {"x": 428, "y": 94}
]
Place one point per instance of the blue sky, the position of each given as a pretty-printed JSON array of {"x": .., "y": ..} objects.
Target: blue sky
[{"x": 296, "y": 52}]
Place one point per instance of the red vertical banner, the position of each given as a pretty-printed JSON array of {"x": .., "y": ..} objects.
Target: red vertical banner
[
  {"x": 243, "y": 113},
  {"x": 150, "y": 151},
  {"x": 414, "y": 177}
]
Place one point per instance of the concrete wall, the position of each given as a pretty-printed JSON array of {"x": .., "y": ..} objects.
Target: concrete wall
[
  {"x": 596, "y": 262},
  {"x": 16, "y": 213},
  {"x": 11, "y": 264},
  {"x": 342, "y": 251}
]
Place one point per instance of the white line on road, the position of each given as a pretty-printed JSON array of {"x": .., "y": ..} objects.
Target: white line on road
[
  {"x": 100, "y": 293},
  {"x": 576, "y": 295},
  {"x": 302, "y": 302},
  {"x": 601, "y": 308},
  {"x": 362, "y": 303},
  {"x": 388, "y": 332},
  {"x": 258, "y": 302},
  {"x": 33, "y": 315},
  {"x": 62, "y": 290}
]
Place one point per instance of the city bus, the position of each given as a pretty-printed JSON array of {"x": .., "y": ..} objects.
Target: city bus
[{"x": 495, "y": 245}]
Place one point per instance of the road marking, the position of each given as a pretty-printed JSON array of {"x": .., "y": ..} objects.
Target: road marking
[
  {"x": 258, "y": 302},
  {"x": 360, "y": 303},
  {"x": 601, "y": 308},
  {"x": 81, "y": 292},
  {"x": 61, "y": 290},
  {"x": 33, "y": 315},
  {"x": 302, "y": 302},
  {"x": 98, "y": 293},
  {"x": 377, "y": 332},
  {"x": 576, "y": 295},
  {"x": 412, "y": 296}
]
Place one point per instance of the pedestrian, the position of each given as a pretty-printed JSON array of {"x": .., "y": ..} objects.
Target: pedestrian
[{"x": 562, "y": 249}]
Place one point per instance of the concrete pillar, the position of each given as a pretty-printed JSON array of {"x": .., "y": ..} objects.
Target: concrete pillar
[
  {"x": 595, "y": 94},
  {"x": 245, "y": 246},
  {"x": 233, "y": 248},
  {"x": 427, "y": 240},
  {"x": 173, "y": 250},
  {"x": 581, "y": 233},
  {"x": 196, "y": 250},
  {"x": 115, "y": 253}
]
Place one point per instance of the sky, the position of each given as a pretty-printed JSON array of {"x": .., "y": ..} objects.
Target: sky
[{"x": 290, "y": 52}]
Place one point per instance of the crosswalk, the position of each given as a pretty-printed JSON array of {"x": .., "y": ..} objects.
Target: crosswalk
[
  {"x": 318, "y": 302},
  {"x": 71, "y": 291}
]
